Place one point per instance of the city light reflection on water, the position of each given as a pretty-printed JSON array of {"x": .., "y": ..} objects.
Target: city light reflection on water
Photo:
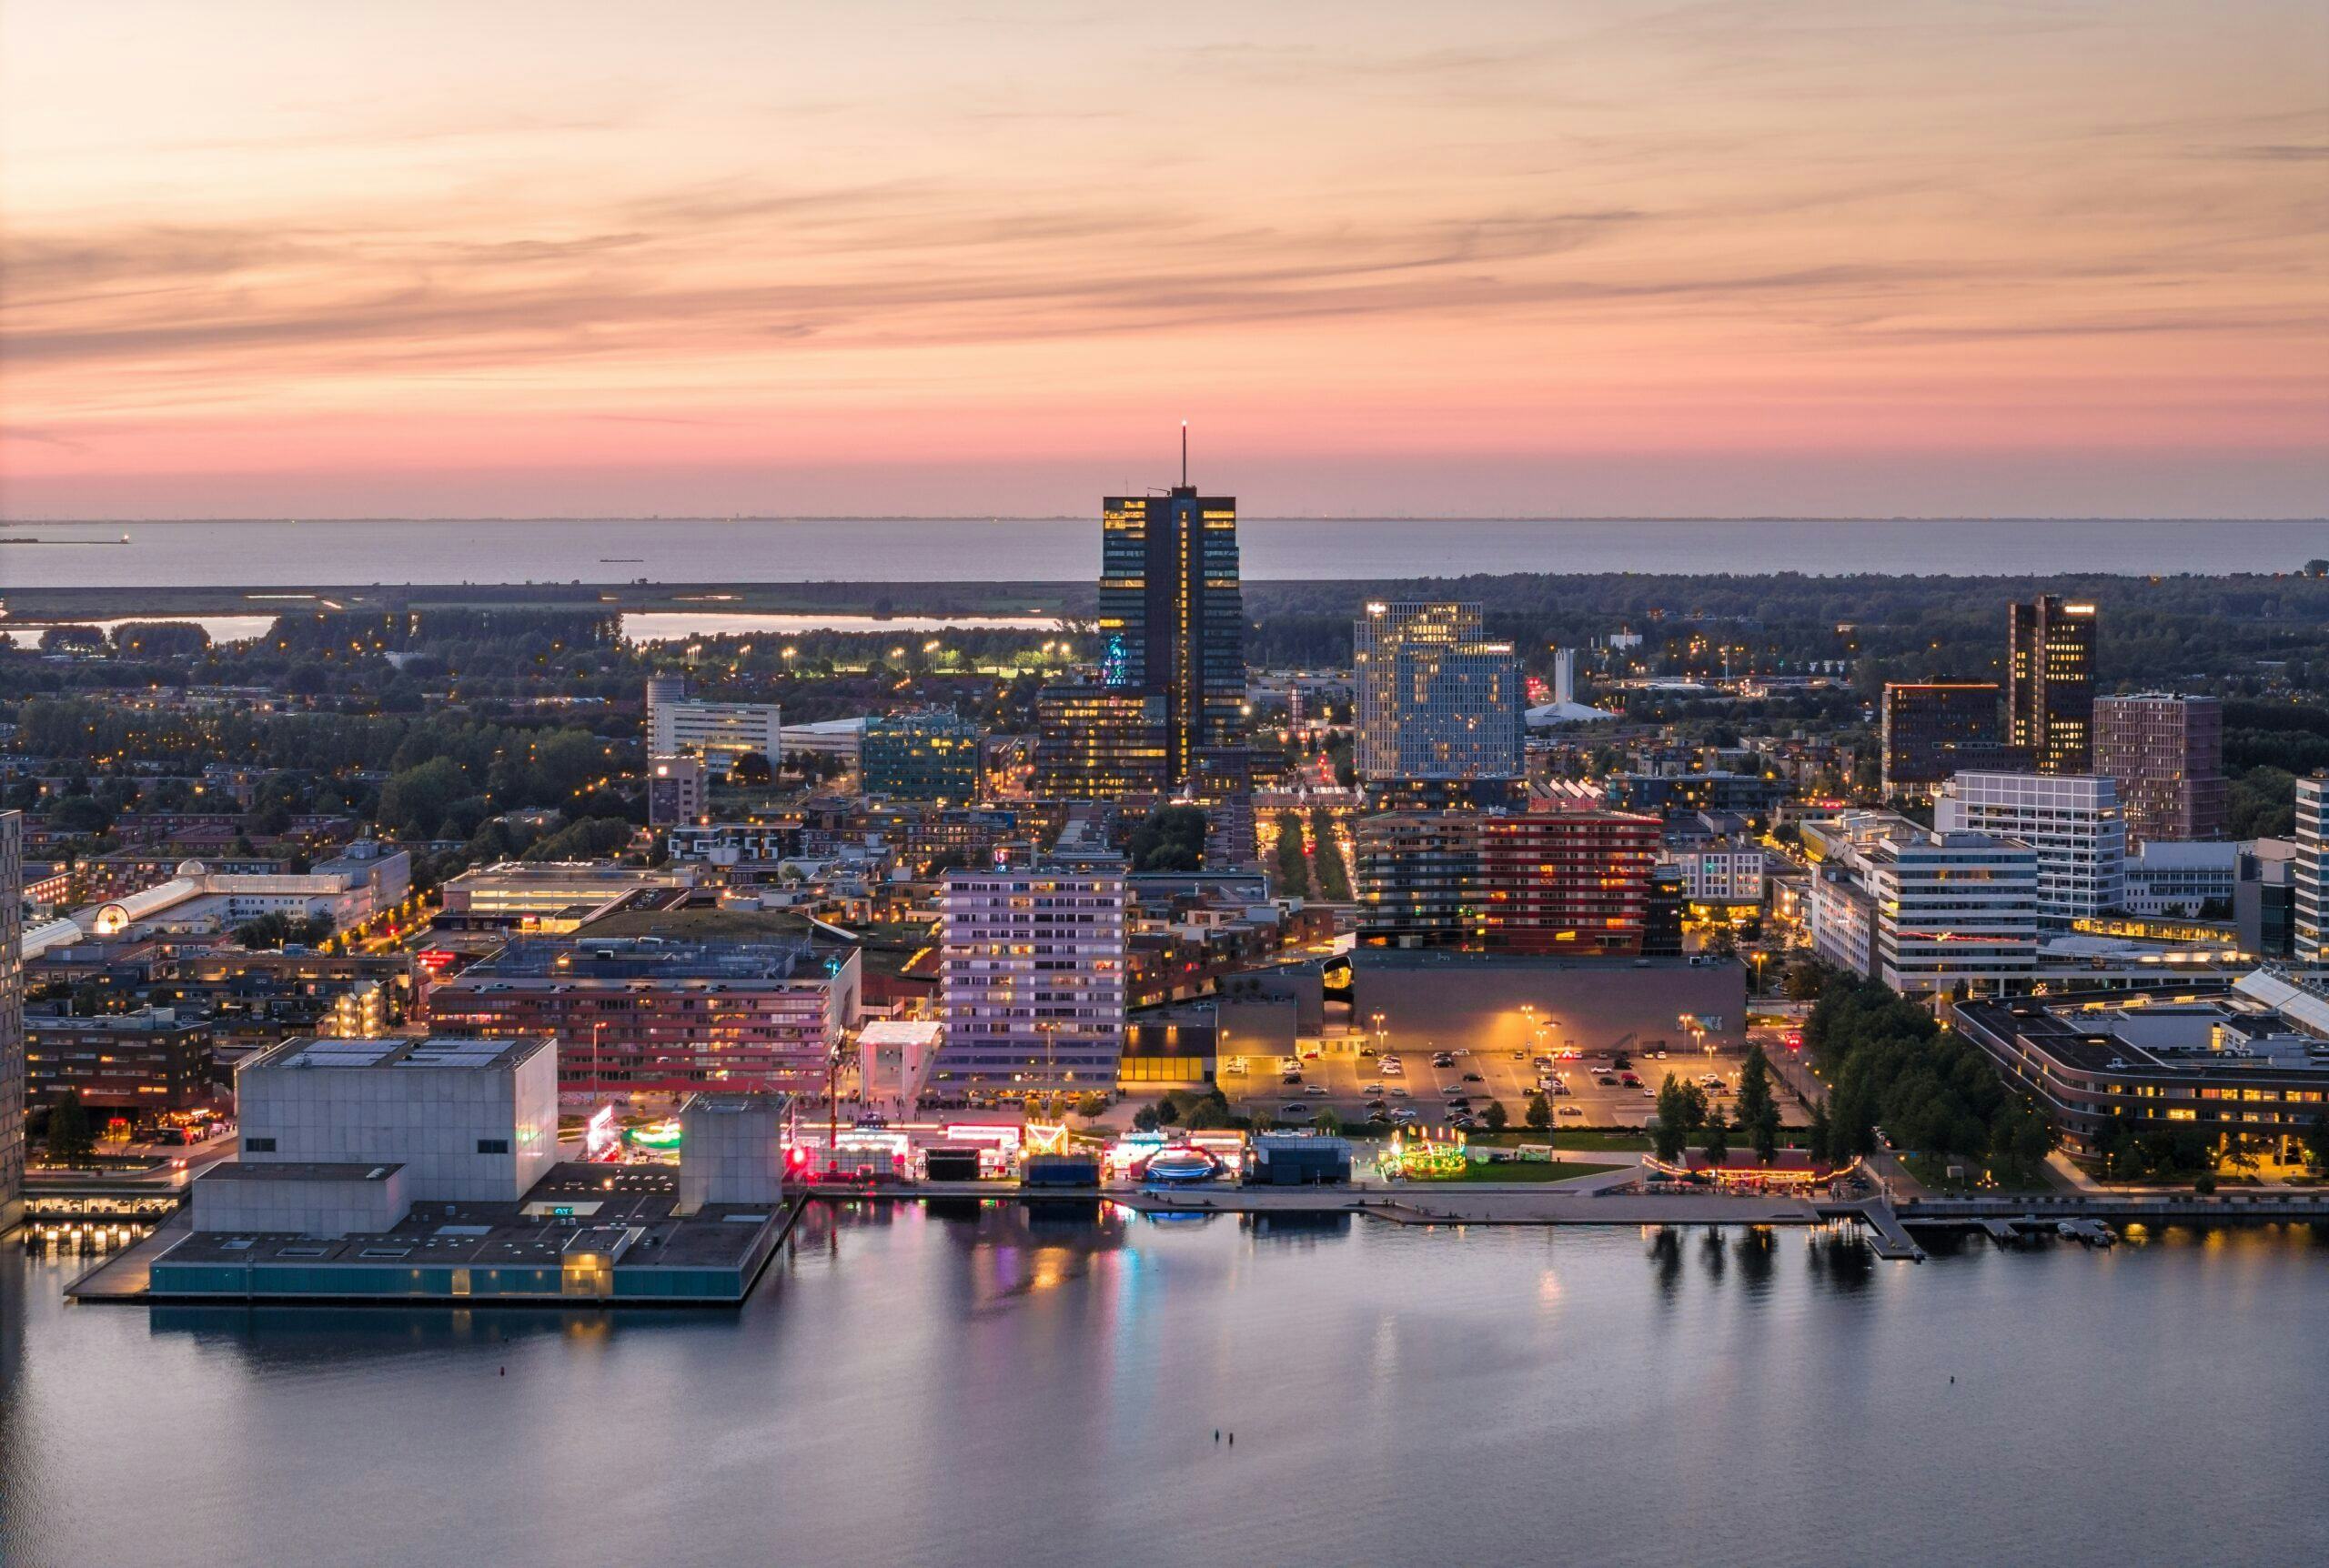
[{"x": 986, "y": 1383}]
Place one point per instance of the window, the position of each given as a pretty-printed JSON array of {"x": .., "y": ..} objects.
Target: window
[
  {"x": 493, "y": 1146},
  {"x": 258, "y": 1145}
]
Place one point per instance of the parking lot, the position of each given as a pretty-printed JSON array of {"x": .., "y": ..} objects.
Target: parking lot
[{"x": 1351, "y": 1074}]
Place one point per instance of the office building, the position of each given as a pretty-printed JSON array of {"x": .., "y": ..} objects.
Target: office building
[
  {"x": 720, "y": 731},
  {"x": 1521, "y": 882},
  {"x": 639, "y": 1017},
  {"x": 1934, "y": 728},
  {"x": 1565, "y": 881},
  {"x": 2167, "y": 754},
  {"x": 2263, "y": 899},
  {"x": 12, "y": 1021},
  {"x": 2167, "y": 877},
  {"x": 1955, "y": 908},
  {"x": 1727, "y": 874},
  {"x": 1841, "y": 916},
  {"x": 1418, "y": 877},
  {"x": 678, "y": 791},
  {"x": 530, "y": 894},
  {"x": 2072, "y": 821},
  {"x": 135, "y": 1064},
  {"x": 2049, "y": 686},
  {"x": 1435, "y": 699},
  {"x": 928, "y": 756},
  {"x": 1101, "y": 743},
  {"x": 2248, "y": 1061},
  {"x": 1172, "y": 617},
  {"x": 464, "y": 1118},
  {"x": 1032, "y": 978},
  {"x": 2307, "y": 937}
]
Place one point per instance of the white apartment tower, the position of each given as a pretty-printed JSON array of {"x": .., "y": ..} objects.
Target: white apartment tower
[
  {"x": 1032, "y": 972},
  {"x": 2072, "y": 820}
]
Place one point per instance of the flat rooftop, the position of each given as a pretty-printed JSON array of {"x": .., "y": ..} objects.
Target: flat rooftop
[
  {"x": 441, "y": 1050},
  {"x": 539, "y": 1229},
  {"x": 599, "y": 958},
  {"x": 298, "y": 1170},
  {"x": 1365, "y": 958}
]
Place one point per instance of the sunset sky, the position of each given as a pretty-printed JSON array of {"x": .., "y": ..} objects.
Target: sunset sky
[{"x": 1585, "y": 258}]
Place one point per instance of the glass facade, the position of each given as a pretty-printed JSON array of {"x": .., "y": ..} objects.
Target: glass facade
[
  {"x": 1171, "y": 617},
  {"x": 2051, "y": 683},
  {"x": 921, "y": 756}
]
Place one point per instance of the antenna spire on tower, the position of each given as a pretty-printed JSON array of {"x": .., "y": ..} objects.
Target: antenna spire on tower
[{"x": 1185, "y": 454}]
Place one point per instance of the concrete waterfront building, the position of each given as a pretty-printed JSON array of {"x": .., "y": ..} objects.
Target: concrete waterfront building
[
  {"x": 2072, "y": 822},
  {"x": 2167, "y": 752},
  {"x": 1032, "y": 978},
  {"x": 1934, "y": 729},
  {"x": 2309, "y": 940},
  {"x": 732, "y": 1149},
  {"x": 640, "y": 1016},
  {"x": 2050, "y": 683},
  {"x": 1955, "y": 908},
  {"x": 1171, "y": 619},
  {"x": 12, "y": 1021},
  {"x": 464, "y": 1118},
  {"x": 1436, "y": 700},
  {"x": 722, "y": 730},
  {"x": 679, "y": 790}
]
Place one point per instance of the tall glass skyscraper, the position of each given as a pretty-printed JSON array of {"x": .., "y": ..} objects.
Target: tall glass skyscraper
[
  {"x": 1172, "y": 617},
  {"x": 2050, "y": 685}
]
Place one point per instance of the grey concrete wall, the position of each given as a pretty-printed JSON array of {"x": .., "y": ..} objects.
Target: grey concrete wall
[{"x": 1441, "y": 1000}]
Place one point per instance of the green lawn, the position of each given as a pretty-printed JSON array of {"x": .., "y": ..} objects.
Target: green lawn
[
  {"x": 1564, "y": 1140},
  {"x": 1933, "y": 1174},
  {"x": 1533, "y": 1171}
]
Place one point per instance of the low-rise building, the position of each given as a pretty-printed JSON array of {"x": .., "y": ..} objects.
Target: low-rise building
[
  {"x": 142, "y": 1063},
  {"x": 641, "y": 1015},
  {"x": 2246, "y": 1061}
]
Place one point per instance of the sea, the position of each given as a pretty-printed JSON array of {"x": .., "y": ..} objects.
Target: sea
[
  {"x": 968, "y": 550},
  {"x": 988, "y": 1385}
]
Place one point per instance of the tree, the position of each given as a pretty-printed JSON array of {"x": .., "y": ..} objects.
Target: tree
[
  {"x": 1538, "y": 1113},
  {"x": 1754, "y": 1088},
  {"x": 2316, "y": 1141},
  {"x": 1145, "y": 1119},
  {"x": 1819, "y": 1140},
  {"x": 1717, "y": 1137},
  {"x": 1496, "y": 1116},
  {"x": 1168, "y": 1111},
  {"x": 1092, "y": 1104},
  {"x": 1680, "y": 1108},
  {"x": 1764, "y": 1132},
  {"x": 1326, "y": 1121},
  {"x": 71, "y": 1135}
]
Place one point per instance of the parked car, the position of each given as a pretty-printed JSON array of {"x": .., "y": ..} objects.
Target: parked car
[
  {"x": 1315, "y": 1090},
  {"x": 1474, "y": 1077},
  {"x": 1293, "y": 1109},
  {"x": 1569, "y": 1111}
]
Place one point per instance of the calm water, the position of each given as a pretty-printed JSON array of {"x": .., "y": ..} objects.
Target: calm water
[
  {"x": 913, "y": 1389},
  {"x": 285, "y": 554}
]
